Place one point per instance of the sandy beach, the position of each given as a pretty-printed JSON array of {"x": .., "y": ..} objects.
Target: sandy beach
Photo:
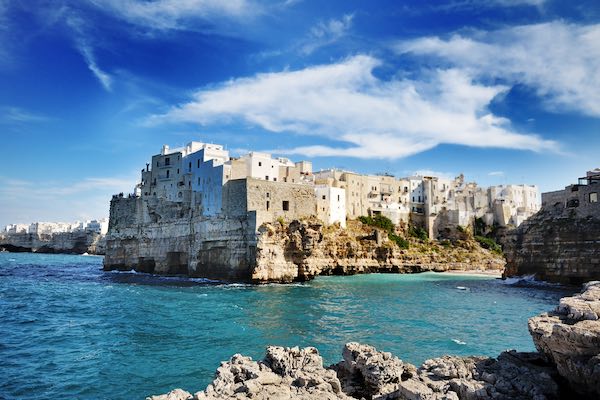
[{"x": 478, "y": 272}]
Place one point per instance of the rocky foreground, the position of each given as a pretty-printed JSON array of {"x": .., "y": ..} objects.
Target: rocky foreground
[{"x": 566, "y": 366}]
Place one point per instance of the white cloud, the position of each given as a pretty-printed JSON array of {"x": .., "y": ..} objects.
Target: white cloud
[
  {"x": 368, "y": 117},
  {"x": 496, "y": 173},
  {"x": 82, "y": 43},
  {"x": 560, "y": 61},
  {"x": 326, "y": 33},
  {"x": 88, "y": 55},
  {"x": 176, "y": 14}
]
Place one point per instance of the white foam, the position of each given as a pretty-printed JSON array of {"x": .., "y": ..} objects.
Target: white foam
[
  {"x": 527, "y": 280},
  {"x": 459, "y": 342}
]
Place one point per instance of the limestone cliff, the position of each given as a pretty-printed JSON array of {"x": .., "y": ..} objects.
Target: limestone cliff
[
  {"x": 567, "y": 366},
  {"x": 558, "y": 244},
  {"x": 304, "y": 249},
  {"x": 171, "y": 238},
  {"x": 65, "y": 242}
]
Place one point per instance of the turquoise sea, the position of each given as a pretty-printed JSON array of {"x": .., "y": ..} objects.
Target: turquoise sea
[{"x": 69, "y": 330}]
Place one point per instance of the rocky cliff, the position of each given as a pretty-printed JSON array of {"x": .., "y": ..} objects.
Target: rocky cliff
[
  {"x": 558, "y": 244},
  {"x": 66, "y": 242},
  {"x": 567, "y": 366},
  {"x": 169, "y": 238},
  {"x": 304, "y": 249}
]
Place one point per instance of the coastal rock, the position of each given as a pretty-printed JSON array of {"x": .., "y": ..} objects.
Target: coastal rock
[
  {"x": 284, "y": 373},
  {"x": 78, "y": 242},
  {"x": 570, "y": 339},
  {"x": 304, "y": 249}
]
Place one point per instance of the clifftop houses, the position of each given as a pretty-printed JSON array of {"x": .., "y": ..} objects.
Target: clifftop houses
[{"x": 204, "y": 177}]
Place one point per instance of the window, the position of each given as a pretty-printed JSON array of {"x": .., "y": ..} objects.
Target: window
[
  {"x": 324, "y": 197},
  {"x": 268, "y": 195},
  {"x": 274, "y": 179},
  {"x": 190, "y": 166},
  {"x": 266, "y": 177},
  {"x": 593, "y": 197},
  {"x": 167, "y": 161},
  {"x": 168, "y": 173},
  {"x": 177, "y": 171},
  {"x": 198, "y": 163},
  {"x": 286, "y": 205},
  {"x": 338, "y": 197},
  {"x": 268, "y": 205},
  {"x": 198, "y": 181},
  {"x": 260, "y": 164}
]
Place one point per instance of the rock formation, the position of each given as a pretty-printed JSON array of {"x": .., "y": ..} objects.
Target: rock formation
[
  {"x": 559, "y": 243},
  {"x": 65, "y": 242},
  {"x": 304, "y": 249},
  {"x": 567, "y": 366},
  {"x": 570, "y": 339},
  {"x": 170, "y": 238}
]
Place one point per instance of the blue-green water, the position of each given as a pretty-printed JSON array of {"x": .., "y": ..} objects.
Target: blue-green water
[{"x": 69, "y": 330}]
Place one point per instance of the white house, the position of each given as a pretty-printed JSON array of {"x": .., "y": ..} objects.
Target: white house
[{"x": 331, "y": 204}]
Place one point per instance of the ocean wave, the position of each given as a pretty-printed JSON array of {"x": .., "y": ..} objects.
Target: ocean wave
[
  {"x": 459, "y": 342},
  {"x": 527, "y": 281}
]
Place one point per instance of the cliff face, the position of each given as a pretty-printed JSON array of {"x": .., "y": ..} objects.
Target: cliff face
[
  {"x": 302, "y": 250},
  {"x": 169, "y": 238},
  {"x": 557, "y": 244},
  {"x": 67, "y": 242},
  {"x": 567, "y": 366}
]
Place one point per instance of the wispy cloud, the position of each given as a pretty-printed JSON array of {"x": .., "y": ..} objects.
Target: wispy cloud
[
  {"x": 496, "y": 173},
  {"x": 84, "y": 46},
  {"x": 369, "y": 117},
  {"x": 177, "y": 14},
  {"x": 326, "y": 33},
  {"x": 560, "y": 61},
  {"x": 9, "y": 115}
]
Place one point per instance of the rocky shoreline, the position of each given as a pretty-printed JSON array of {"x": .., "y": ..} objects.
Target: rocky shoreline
[
  {"x": 57, "y": 243},
  {"x": 567, "y": 365}
]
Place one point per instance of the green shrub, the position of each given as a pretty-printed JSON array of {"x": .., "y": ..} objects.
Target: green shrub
[
  {"x": 378, "y": 221},
  {"x": 419, "y": 233},
  {"x": 480, "y": 227},
  {"x": 399, "y": 240},
  {"x": 489, "y": 244}
]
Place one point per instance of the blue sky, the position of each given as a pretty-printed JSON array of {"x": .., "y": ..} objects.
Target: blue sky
[{"x": 504, "y": 91}]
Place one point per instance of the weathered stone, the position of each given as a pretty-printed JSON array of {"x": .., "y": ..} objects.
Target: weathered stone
[
  {"x": 177, "y": 394},
  {"x": 570, "y": 338}
]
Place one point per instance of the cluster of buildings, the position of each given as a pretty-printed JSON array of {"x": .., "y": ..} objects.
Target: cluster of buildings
[
  {"x": 50, "y": 228},
  {"x": 203, "y": 176}
]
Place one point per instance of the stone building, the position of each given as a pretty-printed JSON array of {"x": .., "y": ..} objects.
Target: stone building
[{"x": 581, "y": 198}]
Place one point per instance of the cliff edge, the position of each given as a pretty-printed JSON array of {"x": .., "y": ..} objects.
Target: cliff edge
[
  {"x": 567, "y": 366},
  {"x": 304, "y": 249},
  {"x": 561, "y": 243}
]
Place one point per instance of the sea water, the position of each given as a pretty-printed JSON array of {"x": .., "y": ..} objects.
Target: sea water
[{"x": 70, "y": 330}]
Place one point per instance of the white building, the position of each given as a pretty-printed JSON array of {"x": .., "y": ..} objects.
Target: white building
[
  {"x": 331, "y": 204},
  {"x": 13, "y": 229}
]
